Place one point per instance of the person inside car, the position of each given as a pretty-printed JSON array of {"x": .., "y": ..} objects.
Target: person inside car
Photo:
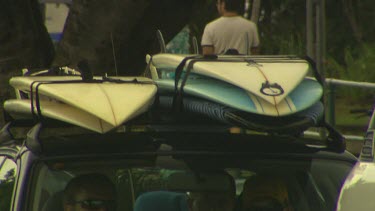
[
  {"x": 265, "y": 193},
  {"x": 215, "y": 200},
  {"x": 89, "y": 192}
]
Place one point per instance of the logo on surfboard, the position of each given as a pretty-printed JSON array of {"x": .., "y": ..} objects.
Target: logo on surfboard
[{"x": 271, "y": 89}]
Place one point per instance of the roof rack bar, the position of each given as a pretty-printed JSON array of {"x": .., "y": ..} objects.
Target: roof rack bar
[
  {"x": 335, "y": 140},
  {"x": 32, "y": 139}
]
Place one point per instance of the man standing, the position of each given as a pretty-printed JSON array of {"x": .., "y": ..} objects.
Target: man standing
[{"x": 230, "y": 32}]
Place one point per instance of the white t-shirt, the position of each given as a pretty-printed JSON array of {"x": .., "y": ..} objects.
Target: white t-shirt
[{"x": 231, "y": 32}]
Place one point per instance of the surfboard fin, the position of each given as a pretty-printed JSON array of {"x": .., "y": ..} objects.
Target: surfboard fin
[{"x": 161, "y": 41}]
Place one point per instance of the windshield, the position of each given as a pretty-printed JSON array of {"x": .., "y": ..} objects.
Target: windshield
[{"x": 199, "y": 182}]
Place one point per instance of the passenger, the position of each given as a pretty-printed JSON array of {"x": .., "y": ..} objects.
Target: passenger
[
  {"x": 265, "y": 193},
  {"x": 231, "y": 33},
  {"x": 90, "y": 192},
  {"x": 214, "y": 200}
]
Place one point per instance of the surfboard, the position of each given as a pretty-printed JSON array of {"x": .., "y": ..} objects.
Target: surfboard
[
  {"x": 290, "y": 124},
  {"x": 304, "y": 95},
  {"x": 271, "y": 78},
  {"x": 113, "y": 101},
  {"x": 21, "y": 109}
]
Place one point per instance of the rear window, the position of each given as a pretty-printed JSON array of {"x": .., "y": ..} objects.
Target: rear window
[{"x": 200, "y": 182}]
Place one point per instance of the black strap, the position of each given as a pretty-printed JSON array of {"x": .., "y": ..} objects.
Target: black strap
[
  {"x": 37, "y": 101},
  {"x": 316, "y": 73},
  {"x": 180, "y": 68},
  {"x": 177, "y": 99},
  {"x": 321, "y": 81},
  {"x": 335, "y": 140}
]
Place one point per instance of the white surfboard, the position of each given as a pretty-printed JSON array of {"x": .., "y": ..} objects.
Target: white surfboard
[
  {"x": 112, "y": 102},
  {"x": 21, "y": 109},
  {"x": 270, "y": 78}
]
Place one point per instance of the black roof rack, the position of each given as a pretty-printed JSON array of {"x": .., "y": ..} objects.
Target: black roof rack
[{"x": 153, "y": 122}]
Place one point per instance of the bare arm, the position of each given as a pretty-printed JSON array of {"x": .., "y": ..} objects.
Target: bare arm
[
  {"x": 254, "y": 50},
  {"x": 208, "y": 50}
]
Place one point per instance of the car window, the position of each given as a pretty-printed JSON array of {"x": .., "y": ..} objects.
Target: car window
[
  {"x": 307, "y": 187},
  {"x": 7, "y": 174}
]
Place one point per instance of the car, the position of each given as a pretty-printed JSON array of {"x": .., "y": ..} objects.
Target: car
[
  {"x": 359, "y": 186},
  {"x": 188, "y": 156},
  {"x": 181, "y": 154}
]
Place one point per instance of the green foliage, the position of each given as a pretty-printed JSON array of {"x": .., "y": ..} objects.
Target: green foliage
[
  {"x": 358, "y": 66},
  {"x": 333, "y": 68},
  {"x": 286, "y": 44},
  {"x": 349, "y": 56},
  {"x": 180, "y": 44},
  {"x": 281, "y": 27},
  {"x": 147, "y": 180}
]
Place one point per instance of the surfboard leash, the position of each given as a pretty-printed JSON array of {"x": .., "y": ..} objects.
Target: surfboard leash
[{"x": 274, "y": 89}]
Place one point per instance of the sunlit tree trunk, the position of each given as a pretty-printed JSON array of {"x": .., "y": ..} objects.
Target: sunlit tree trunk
[
  {"x": 247, "y": 10},
  {"x": 255, "y": 11}
]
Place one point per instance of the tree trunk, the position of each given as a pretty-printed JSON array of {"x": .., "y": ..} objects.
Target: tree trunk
[
  {"x": 351, "y": 16},
  {"x": 255, "y": 11},
  {"x": 24, "y": 40},
  {"x": 93, "y": 26}
]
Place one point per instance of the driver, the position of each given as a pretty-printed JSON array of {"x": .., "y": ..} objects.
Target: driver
[
  {"x": 222, "y": 199},
  {"x": 265, "y": 193},
  {"x": 90, "y": 192}
]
